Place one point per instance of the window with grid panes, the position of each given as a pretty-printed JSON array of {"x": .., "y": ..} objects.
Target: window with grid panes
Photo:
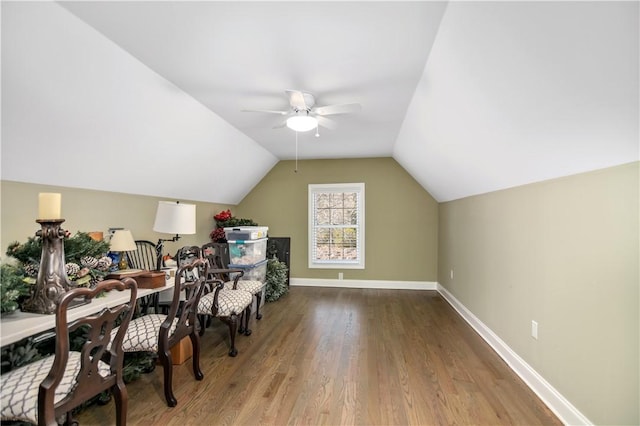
[{"x": 336, "y": 226}]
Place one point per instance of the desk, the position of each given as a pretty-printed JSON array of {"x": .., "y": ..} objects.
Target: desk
[{"x": 18, "y": 325}]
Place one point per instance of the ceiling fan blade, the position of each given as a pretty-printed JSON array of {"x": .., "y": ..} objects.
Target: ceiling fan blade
[
  {"x": 338, "y": 109},
  {"x": 325, "y": 122},
  {"x": 280, "y": 126},
  {"x": 300, "y": 100},
  {"x": 269, "y": 111}
]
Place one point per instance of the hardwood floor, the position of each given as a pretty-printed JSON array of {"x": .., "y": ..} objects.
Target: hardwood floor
[{"x": 341, "y": 357}]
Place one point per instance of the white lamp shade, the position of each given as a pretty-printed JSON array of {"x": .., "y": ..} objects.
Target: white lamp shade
[
  {"x": 175, "y": 218},
  {"x": 302, "y": 123},
  {"x": 122, "y": 240}
]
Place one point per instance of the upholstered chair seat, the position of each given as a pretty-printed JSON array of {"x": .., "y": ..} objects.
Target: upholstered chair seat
[
  {"x": 20, "y": 386},
  {"x": 229, "y": 306},
  {"x": 230, "y": 302},
  {"x": 246, "y": 285},
  {"x": 142, "y": 333}
]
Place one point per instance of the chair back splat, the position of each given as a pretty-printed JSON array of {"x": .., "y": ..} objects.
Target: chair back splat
[{"x": 48, "y": 389}]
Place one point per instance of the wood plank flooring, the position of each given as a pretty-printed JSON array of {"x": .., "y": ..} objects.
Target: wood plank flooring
[{"x": 330, "y": 356}]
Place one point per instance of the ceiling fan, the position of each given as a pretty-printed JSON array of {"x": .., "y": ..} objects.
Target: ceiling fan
[{"x": 304, "y": 115}]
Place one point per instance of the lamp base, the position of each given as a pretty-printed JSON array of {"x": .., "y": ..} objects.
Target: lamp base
[{"x": 123, "y": 264}]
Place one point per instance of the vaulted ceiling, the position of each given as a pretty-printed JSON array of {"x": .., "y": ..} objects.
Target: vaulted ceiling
[{"x": 469, "y": 97}]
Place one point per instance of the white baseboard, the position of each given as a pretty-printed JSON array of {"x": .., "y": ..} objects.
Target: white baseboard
[
  {"x": 557, "y": 403},
  {"x": 565, "y": 411},
  {"x": 392, "y": 285}
]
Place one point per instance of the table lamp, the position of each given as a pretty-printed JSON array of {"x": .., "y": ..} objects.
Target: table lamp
[
  {"x": 172, "y": 217},
  {"x": 122, "y": 241}
]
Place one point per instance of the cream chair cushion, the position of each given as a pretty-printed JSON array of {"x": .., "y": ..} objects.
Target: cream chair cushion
[
  {"x": 229, "y": 302},
  {"x": 251, "y": 286},
  {"x": 142, "y": 333},
  {"x": 19, "y": 387}
]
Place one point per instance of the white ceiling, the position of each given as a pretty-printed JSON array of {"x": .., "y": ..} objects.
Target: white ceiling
[
  {"x": 469, "y": 97},
  {"x": 232, "y": 56}
]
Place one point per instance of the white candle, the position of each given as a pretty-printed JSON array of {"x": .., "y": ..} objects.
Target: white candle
[{"x": 49, "y": 205}]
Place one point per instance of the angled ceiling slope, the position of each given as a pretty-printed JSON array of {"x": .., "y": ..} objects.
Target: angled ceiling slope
[
  {"x": 79, "y": 111},
  {"x": 520, "y": 92}
]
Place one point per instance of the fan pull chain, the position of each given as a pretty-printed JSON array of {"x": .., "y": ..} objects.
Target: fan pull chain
[{"x": 296, "y": 170}]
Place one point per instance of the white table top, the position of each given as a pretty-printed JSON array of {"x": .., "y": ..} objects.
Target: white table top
[{"x": 18, "y": 325}]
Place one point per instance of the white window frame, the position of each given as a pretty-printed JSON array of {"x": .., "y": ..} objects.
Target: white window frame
[{"x": 335, "y": 263}]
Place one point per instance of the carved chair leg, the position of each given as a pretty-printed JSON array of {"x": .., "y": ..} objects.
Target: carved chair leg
[
  {"x": 195, "y": 345},
  {"x": 258, "y": 301},
  {"x": 233, "y": 327},
  {"x": 202, "y": 319},
  {"x": 247, "y": 317},
  {"x": 241, "y": 322},
  {"x": 167, "y": 366},
  {"x": 121, "y": 398}
]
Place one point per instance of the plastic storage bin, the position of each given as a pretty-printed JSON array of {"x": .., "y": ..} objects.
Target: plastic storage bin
[
  {"x": 257, "y": 272},
  {"x": 247, "y": 252},
  {"x": 241, "y": 233}
]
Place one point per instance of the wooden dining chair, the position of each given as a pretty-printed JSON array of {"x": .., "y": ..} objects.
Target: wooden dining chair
[
  {"x": 219, "y": 266},
  {"x": 49, "y": 389},
  {"x": 216, "y": 302},
  {"x": 144, "y": 256},
  {"x": 159, "y": 333}
]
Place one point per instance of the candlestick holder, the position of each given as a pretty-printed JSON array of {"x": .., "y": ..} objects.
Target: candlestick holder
[{"x": 52, "y": 279}]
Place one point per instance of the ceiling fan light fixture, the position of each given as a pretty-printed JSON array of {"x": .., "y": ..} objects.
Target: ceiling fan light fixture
[{"x": 302, "y": 122}]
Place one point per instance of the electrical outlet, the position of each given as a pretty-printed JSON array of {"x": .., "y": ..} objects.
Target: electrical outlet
[
  {"x": 451, "y": 274},
  {"x": 340, "y": 275},
  {"x": 534, "y": 330}
]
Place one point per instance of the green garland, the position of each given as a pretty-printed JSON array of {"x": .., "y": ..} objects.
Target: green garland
[
  {"x": 13, "y": 287},
  {"x": 75, "y": 248},
  {"x": 276, "y": 280},
  {"x": 84, "y": 257}
]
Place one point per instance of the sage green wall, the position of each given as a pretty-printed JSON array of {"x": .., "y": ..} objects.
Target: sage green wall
[
  {"x": 401, "y": 218},
  {"x": 565, "y": 254},
  {"x": 87, "y": 210}
]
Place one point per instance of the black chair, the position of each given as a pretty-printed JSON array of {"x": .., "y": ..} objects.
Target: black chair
[
  {"x": 145, "y": 257},
  {"x": 49, "y": 389}
]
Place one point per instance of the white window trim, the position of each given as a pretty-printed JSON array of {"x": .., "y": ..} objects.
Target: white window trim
[{"x": 337, "y": 187}]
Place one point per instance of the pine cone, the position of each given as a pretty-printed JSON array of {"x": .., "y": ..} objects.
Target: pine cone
[
  {"x": 32, "y": 269},
  {"x": 71, "y": 268},
  {"x": 94, "y": 281},
  {"x": 89, "y": 262},
  {"x": 104, "y": 263}
]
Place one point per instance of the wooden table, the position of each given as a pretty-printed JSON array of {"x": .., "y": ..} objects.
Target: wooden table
[{"x": 18, "y": 325}]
